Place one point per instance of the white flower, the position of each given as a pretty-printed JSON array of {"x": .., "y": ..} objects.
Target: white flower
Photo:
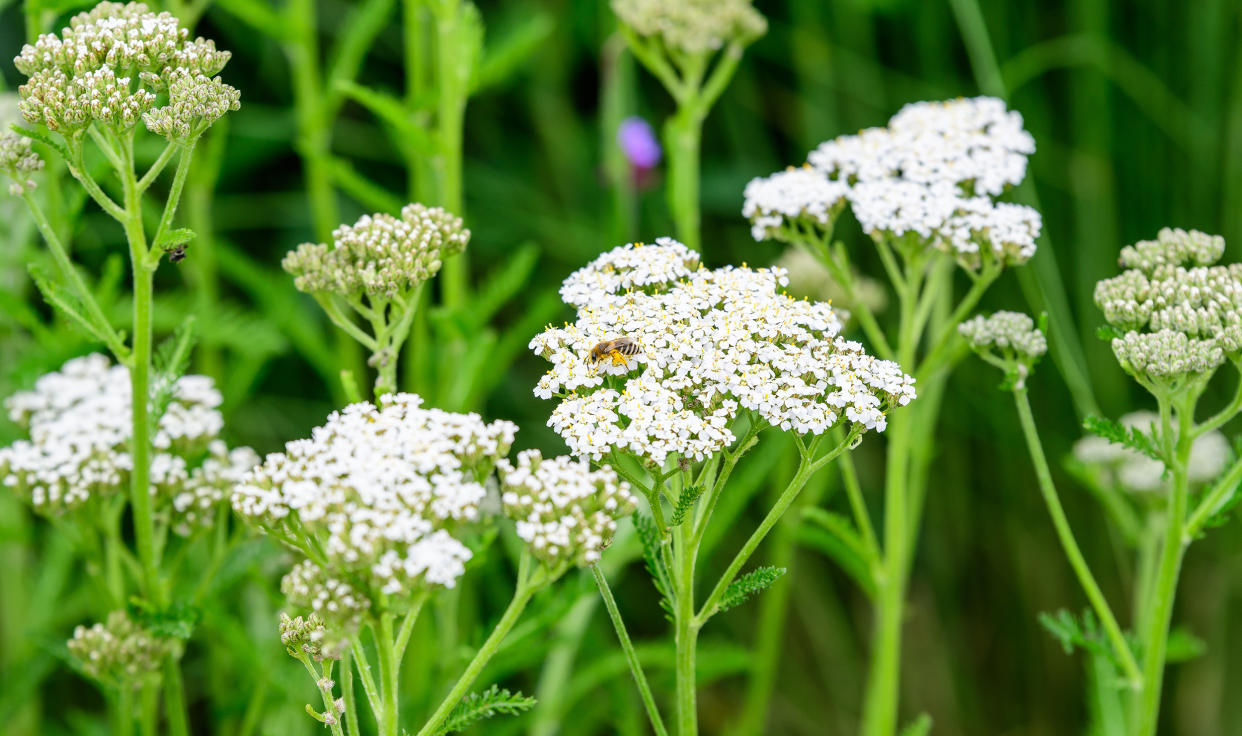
[
  {"x": 378, "y": 492},
  {"x": 711, "y": 343},
  {"x": 801, "y": 195},
  {"x": 976, "y": 144},
  {"x": 80, "y": 423},
  {"x": 564, "y": 511},
  {"x": 632, "y": 266}
]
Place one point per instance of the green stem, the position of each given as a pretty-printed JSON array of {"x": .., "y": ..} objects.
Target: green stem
[
  {"x": 364, "y": 674},
  {"x": 386, "y": 646},
  {"x": 806, "y": 468},
  {"x": 682, "y": 138},
  {"x": 347, "y": 692},
  {"x": 521, "y": 596},
  {"x": 687, "y": 634},
  {"x": 451, "y": 64},
  {"x": 174, "y": 698},
  {"x": 326, "y": 696},
  {"x": 1066, "y": 535},
  {"x": 1156, "y": 636},
  {"x": 631, "y": 656},
  {"x": 174, "y": 195}
]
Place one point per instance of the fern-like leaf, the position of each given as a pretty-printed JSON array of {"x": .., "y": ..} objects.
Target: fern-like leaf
[
  {"x": 477, "y": 707},
  {"x": 920, "y": 726},
  {"x": 170, "y": 361},
  {"x": 64, "y": 302},
  {"x": 653, "y": 556},
  {"x": 1074, "y": 633},
  {"x": 749, "y": 585},
  {"x": 1133, "y": 438},
  {"x": 685, "y": 504}
]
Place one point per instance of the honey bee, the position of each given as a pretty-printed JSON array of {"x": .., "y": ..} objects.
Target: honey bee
[{"x": 618, "y": 350}]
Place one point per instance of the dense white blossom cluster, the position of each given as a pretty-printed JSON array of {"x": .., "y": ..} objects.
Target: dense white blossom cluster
[
  {"x": 790, "y": 196},
  {"x": 712, "y": 343},
  {"x": 113, "y": 64},
  {"x": 118, "y": 652},
  {"x": 79, "y": 425},
  {"x": 1181, "y": 315},
  {"x": 379, "y": 255},
  {"x": 692, "y": 26},
  {"x": 373, "y": 498},
  {"x": 564, "y": 511},
  {"x": 928, "y": 179},
  {"x": 1137, "y": 472}
]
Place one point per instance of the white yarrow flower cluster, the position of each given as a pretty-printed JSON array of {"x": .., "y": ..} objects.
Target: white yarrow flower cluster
[
  {"x": 376, "y": 495},
  {"x": 928, "y": 179},
  {"x": 787, "y": 198},
  {"x": 78, "y": 420},
  {"x": 1180, "y": 315},
  {"x": 712, "y": 343},
  {"x": 565, "y": 511},
  {"x": 1134, "y": 471},
  {"x": 119, "y": 652}
]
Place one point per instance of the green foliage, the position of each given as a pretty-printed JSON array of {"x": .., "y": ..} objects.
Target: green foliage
[
  {"x": 1133, "y": 438},
  {"x": 176, "y": 621},
  {"x": 170, "y": 361},
  {"x": 834, "y": 535},
  {"x": 653, "y": 557},
  {"x": 749, "y": 585},
  {"x": 1077, "y": 633},
  {"x": 65, "y": 302},
  {"x": 1183, "y": 646},
  {"x": 685, "y": 505},
  {"x": 920, "y": 726},
  {"x": 480, "y": 706}
]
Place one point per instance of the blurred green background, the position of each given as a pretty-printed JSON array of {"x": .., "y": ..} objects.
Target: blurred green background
[{"x": 1136, "y": 108}]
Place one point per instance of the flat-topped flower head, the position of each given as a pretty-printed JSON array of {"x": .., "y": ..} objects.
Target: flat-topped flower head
[
  {"x": 711, "y": 344},
  {"x": 78, "y": 422},
  {"x": 976, "y": 145},
  {"x": 631, "y": 267},
  {"x": 379, "y": 255},
  {"x": 693, "y": 26},
  {"x": 799, "y": 197},
  {"x": 1136, "y": 472},
  {"x": 18, "y": 161},
  {"x": 565, "y": 511},
  {"x": 1181, "y": 314},
  {"x": 378, "y": 493},
  {"x": 119, "y": 652},
  {"x": 113, "y": 64}
]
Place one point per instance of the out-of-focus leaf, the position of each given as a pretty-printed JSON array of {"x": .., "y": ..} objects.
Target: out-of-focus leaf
[{"x": 505, "y": 55}]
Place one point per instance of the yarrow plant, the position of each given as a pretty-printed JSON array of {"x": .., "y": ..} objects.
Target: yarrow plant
[
  {"x": 374, "y": 271},
  {"x": 1175, "y": 317},
  {"x": 722, "y": 355},
  {"x": 383, "y": 502},
  {"x": 116, "y": 71},
  {"x": 693, "y": 47},
  {"x": 925, "y": 189}
]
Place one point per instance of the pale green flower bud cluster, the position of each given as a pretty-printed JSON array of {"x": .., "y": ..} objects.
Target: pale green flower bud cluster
[
  {"x": 303, "y": 636},
  {"x": 564, "y": 511},
  {"x": 119, "y": 651},
  {"x": 1012, "y": 333},
  {"x": 195, "y": 102},
  {"x": 110, "y": 66},
  {"x": 1166, "y": 354},
  {"x": 1173, "y": 246},
  {"x": 379, "y": 255},
  {"x": 693, "y": 26},
  {"x": 18, "y": 161},
  {"x": 1189, "y": 314}
]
